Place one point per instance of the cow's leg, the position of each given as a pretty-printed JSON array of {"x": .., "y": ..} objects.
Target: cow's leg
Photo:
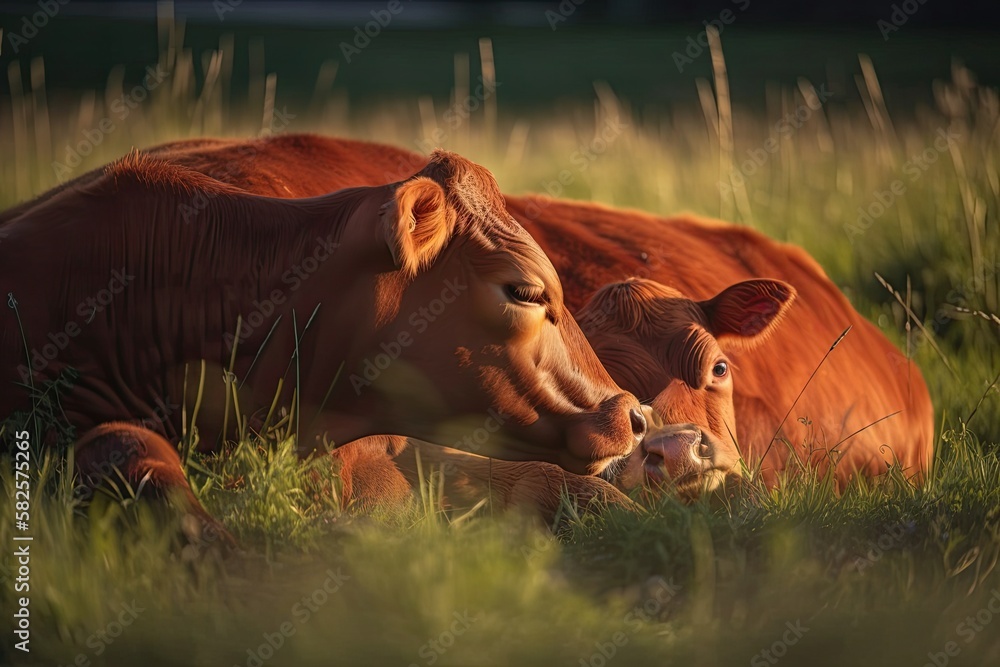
[
  {"x": 386, "y": 469},
  {"x": 369, "y": 475},
  {"x": 143, "y": 457}
]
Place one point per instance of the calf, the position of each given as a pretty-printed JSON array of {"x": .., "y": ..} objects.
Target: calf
[{"x": 671, "y": 351}]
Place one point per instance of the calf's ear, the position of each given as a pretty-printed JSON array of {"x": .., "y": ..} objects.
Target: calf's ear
[
  {"x": 745, "y": 314},
  {"x": 419, "y": 226}
]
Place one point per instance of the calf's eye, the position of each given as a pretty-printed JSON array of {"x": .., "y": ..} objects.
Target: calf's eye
[{"x": 720, "y": 369}]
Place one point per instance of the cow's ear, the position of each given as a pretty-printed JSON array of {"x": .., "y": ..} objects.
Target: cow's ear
[
  {"x": 744, "y": 314},
  {"x": 420, "y": 226}
]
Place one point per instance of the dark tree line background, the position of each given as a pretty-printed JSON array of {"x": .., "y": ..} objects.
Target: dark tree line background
[{"x": 975, "y": 14}]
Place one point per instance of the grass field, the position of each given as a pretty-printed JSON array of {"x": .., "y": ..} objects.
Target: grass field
[{"x": 885, "y": 573}]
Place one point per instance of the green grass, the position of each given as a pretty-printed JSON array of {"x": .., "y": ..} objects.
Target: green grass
[{"x": 883, "y": 574}]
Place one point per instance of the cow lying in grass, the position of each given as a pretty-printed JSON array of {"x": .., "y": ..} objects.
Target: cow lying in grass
[
  {"x": 664, "y": 345},
  {"x": 593, "y": 245},
  {"x": 345, "y": 277},
  {"x": 855, "y": 410},
  {"x": 865, "y": 409},
  {"x": 648, "y": 336}
]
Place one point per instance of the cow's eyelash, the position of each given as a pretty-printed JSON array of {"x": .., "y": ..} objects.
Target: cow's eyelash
[{"x": 527, "y": 293}]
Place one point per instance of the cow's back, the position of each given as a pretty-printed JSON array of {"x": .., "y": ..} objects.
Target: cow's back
[{"x": 294, "y": 165}]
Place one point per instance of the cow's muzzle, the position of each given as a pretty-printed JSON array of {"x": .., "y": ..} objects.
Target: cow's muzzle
[
  {"x": 682, "y": 456},
  {"x": 600, "y": 438}
]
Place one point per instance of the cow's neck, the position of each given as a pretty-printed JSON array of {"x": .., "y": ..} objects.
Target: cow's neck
[
  {"x": 317, "y": 235},
  {"x": 321, "y": 271}
]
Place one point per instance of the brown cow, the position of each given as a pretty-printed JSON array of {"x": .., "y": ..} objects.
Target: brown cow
[
  {"x": 418, "y": 308},
  {"x": 867, "y": 405},
  {"x": 673, "y": 350}
]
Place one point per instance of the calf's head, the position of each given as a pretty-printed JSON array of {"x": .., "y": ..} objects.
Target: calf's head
[
  {"x": 486, "y": 355},
  {"x": 672, "y": 351}
]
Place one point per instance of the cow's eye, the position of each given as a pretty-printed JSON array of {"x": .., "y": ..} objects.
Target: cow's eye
[
  {"x": 721, "y": 369},
  {"x": 526, "y": 294}
]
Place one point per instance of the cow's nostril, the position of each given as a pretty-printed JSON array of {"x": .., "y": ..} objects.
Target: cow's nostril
[
  {"x": 638, "y": 423},
  {"x": 703, "y": 450}
]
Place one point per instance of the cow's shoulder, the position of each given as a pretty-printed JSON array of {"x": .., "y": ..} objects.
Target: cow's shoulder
[
  {"x": 160, "y": 168},
  {"x": 141, "y": 200},
  {"x": 144, "y": 173},
  {"x": 296, "y": 165}
]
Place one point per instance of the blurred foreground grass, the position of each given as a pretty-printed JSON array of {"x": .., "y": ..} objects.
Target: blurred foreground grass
[{"x": 884, "y": 574}]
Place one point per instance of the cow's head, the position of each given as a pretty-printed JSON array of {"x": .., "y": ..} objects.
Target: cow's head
[
  {"x": 672, "y": 351},
  {"x": 486, "y": 355}
]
